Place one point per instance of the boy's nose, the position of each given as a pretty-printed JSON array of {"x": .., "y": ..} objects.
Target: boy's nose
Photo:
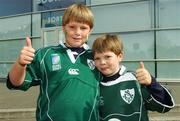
[
  {"x": 102, "y": 61},
  {"x": 78, "y": 30}
]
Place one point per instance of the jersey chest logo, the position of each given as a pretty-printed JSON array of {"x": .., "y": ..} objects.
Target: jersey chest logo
[
  {"x": 56, "y": 62},
  {"x": 72, "y": 71},
  {"x": 127, "y": 95},
  {"x": 91, "y": 64}
]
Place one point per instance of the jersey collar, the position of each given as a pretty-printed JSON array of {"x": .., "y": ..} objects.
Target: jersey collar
[{"x": 85, "y": 46}]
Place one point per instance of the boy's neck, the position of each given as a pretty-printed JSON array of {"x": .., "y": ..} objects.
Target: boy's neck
[
  {"x": 76, "y": 50},
  {"x": 111, "y": 78}
]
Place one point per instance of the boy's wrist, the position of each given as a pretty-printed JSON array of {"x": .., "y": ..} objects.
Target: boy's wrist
[{"x": 20, "y": 64}]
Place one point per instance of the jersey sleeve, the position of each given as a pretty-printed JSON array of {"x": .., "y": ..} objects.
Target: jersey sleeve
[
  {"x": 157, "y": 97},
  {"x": 31, "y": 78}
]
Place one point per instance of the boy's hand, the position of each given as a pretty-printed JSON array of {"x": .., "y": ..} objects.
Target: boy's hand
[
  {"x": 27, "y": 53},
  {"x": 143, "y": 75}
]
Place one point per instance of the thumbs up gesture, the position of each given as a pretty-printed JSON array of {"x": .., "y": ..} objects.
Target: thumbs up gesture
[
  {"x": 143, "y": 76},
  {"x": 27, "y": 53}
]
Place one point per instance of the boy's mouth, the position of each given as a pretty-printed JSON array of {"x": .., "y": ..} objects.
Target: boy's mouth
[{"x": 76, "y": 37}]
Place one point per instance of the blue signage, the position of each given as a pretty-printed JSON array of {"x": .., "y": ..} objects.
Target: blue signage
[
  {"x": 12, "y": 7},
  {"x": 52, "y": 19},
  {"x": 56, "y": 4}
]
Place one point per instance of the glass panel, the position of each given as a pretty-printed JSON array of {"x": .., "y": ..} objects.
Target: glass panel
[
  {"x": 50, "y": 37},
  {"x": 122, "y": 17},
  {"x": 169, "y": 15},
  {"x": 168, "y": 45},
  {"x": 169, "y": 70},
  {"x": 4, "y": 69},
  {"x": 12, "y": 7},
  {"x": 138, "y": 46},
  {"x": 61, "y": 37},
  {"x": 37, "y": 43},
  {"x": 109, "y": 1},
  {"x": 9, "y": 50},
  {"x": 132, "y": 66},
  {"x": 91, "y": 39},
  {"x": 36, "y": 24},
  {"x": 15, "y": 27}
]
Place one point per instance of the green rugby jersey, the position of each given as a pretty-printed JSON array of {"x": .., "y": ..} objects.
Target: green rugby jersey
[
  {"x": 124, "y": 99},
  {"x": 68, "y": 86}
]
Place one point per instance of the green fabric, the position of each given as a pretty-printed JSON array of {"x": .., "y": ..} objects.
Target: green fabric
[
  {"x": 124, "y": 99},
  {"x": 68, "y": 91}
]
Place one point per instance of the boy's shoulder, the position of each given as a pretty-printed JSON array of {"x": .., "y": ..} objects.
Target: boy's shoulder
[
  {"x": 45, "y": 51},
  {"x": 88, "y": 54},
  {"x": 49, "y": 48},
  {"x": 89, "y": 51},
  {"x": 124, "y": 70}
]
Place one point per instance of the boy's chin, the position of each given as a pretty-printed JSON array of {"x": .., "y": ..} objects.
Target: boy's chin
[{"x": 78, "y": 44}]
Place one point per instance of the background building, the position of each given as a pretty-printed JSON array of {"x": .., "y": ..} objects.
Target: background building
[{"x": 149, "y": 30}]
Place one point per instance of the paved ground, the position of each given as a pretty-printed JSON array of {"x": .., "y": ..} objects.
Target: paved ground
[{"x": 12, "y": 99}]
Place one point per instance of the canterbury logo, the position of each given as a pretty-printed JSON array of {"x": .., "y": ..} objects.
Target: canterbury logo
[{"x": 72, "y": 71}]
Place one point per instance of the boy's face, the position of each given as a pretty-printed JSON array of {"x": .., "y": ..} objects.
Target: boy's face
[
  {"x": 108, "y": 62},
  {"x": 76, "y": 33}
]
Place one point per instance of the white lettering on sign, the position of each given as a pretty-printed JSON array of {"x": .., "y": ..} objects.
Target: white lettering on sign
[
  {"x": 46, "y": 1},
  {"x": 54, "y": 19}
]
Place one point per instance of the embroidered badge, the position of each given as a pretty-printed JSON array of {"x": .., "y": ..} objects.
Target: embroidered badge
[
  {"x": 56, "y": 62},
  {"x": 127, "y": 95},
  {"x": 91, "y": 64}
]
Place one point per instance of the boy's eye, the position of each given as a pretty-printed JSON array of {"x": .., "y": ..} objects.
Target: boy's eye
[
  {"x": 83, "y": 28},
  {"x": 107, "y": 57},
  {"x": 71, "y": 27},
  {"x": 96, "y": 59}
]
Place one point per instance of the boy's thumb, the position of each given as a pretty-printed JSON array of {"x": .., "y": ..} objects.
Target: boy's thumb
[
  {"x": 28, "y": 42},
  {"x": 142, "y": 65}
]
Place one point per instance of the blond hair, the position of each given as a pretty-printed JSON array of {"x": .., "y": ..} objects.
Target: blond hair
[
  {"x": 78, "y": 13},
  {"x": 107, "y": 42}
]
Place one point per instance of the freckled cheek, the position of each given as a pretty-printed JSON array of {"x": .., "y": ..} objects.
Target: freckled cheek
[
  {"x": 97, "y": 64},
  {"x": 112, "y": 66},
  {"x": 110, "y": 63}
]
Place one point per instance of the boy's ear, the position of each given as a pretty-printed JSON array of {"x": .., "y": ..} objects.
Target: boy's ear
[
  {"x": 64, "y": 30},
  {"x": 88, "y": 34},
  {"x": 121, "y": 56}
]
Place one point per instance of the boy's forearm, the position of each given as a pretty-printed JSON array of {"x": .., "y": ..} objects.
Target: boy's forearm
[{"x": 17, "y": 74}]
